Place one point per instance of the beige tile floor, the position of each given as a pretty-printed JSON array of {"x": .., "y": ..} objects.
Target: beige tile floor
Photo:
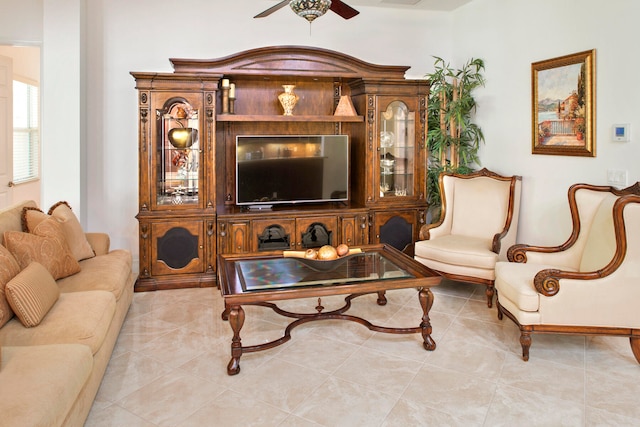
[{"x": 169, "y": 368}]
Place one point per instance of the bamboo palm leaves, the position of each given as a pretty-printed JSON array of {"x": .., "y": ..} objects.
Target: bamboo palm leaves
[{"x": 453, "y": 139}]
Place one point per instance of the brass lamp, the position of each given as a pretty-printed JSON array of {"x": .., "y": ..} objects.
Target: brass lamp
[{"x": 310, "y": 9}]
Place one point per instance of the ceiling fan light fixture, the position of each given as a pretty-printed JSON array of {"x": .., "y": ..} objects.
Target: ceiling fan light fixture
[{"x": 310, "y": 9}]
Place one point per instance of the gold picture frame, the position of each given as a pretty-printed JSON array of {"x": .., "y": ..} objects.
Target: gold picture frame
[{"x": 563, "y": 105}]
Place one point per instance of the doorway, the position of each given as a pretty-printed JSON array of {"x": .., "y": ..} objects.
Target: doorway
[{"x": 25, "y": 65}]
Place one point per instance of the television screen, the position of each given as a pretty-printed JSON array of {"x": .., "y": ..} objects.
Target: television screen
[{"x": 281, "y": 169}]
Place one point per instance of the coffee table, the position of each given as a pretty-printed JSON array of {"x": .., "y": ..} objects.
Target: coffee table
[{"x": 260, "y": 279}]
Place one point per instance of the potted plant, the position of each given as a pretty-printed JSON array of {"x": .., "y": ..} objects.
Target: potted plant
[{"x": 453, "y": 139}]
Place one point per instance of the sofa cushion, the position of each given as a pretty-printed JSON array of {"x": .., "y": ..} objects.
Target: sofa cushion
[
  {"x": 77, "y": 317},
  {"x": 479, "y": 206},
  {"x": 32, "y": 293},
  {"x": 71, "y": 227},
  {"x": 40, "y": 384},
  {"x": 108, "y": 272},
  {"x": 46, "y": 245},
  {"x": 9, "y": 268},
  {"x": 11, "y": 217}
]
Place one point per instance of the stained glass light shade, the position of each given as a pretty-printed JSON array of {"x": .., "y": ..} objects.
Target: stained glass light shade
[{"x": 310, "y": 9}]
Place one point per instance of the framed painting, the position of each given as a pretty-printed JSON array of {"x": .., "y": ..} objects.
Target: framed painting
[{"x": 563, "y": 105}]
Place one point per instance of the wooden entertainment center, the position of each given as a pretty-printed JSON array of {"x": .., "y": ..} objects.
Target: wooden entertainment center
[{"x": 189, "y": 121}]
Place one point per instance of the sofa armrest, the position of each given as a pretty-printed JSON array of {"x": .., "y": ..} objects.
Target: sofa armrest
[{"x": 99, "y": 242}]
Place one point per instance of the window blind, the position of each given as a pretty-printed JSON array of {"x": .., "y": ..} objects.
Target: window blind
[{"x": 26, "y": 132}]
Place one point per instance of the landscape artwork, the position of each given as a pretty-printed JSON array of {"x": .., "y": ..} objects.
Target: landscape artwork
[{"x": 563, "y": 105}]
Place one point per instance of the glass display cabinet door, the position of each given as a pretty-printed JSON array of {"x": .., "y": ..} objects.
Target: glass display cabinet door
[
  {"x": 178, "y": 155},
  {"x": 397, "y": 151}
]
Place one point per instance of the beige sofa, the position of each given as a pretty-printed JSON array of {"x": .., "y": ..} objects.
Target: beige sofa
[{"x": 51, "y": 372}]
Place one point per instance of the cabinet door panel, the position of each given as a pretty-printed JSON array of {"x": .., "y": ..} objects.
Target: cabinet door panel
[
  {"x": 177, "y": 151},
  {"x": 233, "y": 237},
  {"x": 354, "y": 229},
  {"x": 176, "y": 247},
  {"x": 317, "y": 231},
  {"x": 396, "y": 228},
  {"x": 272, "y": 234},
  {"x": 239, "y": 237}
]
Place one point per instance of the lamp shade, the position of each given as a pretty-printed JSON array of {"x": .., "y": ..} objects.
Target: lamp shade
[{"x": 310, "y": 9}]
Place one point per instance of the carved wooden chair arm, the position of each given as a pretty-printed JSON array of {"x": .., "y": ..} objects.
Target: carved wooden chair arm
[
  {"x": 518, "y": 253},
  {"x": 424, "y": 230},
  {"x": 547, "y": 282}
]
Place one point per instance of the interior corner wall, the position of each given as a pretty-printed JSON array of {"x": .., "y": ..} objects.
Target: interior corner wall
[
  {"x": 61, "y": 100},
  {"x": 512, "y": 34}
]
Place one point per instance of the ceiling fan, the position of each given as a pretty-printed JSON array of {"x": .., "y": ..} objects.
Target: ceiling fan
[{"x": 311, "y": 9}]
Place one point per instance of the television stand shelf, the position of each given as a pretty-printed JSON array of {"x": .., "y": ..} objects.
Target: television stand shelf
[{"x": 282, "y": 118}]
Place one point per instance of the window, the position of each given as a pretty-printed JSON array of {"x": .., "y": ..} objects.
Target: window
[{"x": 26, "y": 132}]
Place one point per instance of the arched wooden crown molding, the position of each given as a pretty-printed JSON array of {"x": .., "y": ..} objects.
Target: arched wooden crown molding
[{"x": 289, "y": 61}]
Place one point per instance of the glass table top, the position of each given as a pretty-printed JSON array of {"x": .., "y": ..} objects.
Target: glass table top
[{"x": 282, "y": 273}]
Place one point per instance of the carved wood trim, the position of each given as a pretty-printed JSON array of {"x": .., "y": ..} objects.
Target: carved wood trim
[
  {"x": 518, "y": 253},
  {"x": 289, "y": 61},
  {"x": 547, "y": 282}
]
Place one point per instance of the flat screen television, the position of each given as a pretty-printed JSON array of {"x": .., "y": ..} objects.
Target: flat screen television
[{"x": 290, "y": 169}]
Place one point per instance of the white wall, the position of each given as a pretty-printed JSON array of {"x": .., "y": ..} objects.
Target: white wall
[
  {"x": 511, "y": 34},
  {"x": 62, "y": 117}
]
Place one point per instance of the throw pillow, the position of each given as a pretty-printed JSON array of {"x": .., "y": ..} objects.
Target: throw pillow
[
  {"x": 9, "y": 268},
  {"x": 46, "y": 245},
  {"x": 31, "y": 217},
  {"x": 76, "y": 239},
  {"x": 32, "y": 293}
]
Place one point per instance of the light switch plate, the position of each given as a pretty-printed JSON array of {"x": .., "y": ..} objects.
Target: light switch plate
[{"x": 617, "y": 178}]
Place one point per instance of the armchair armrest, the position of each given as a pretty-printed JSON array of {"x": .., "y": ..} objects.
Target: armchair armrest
[
  {"x": 547, "y": 282},
  {"x": 99, "y": 242},
  {"x": 518, "y": 253}
]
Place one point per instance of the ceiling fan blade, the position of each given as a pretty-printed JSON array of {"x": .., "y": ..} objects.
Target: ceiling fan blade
[
  {"x": 343, "y": 9},
  {"x": 272, "y": 9}
]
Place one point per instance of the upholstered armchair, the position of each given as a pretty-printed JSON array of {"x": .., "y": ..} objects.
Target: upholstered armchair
[
  {"x": 590, "y": 284},
  {"x": 478, "y": 223}
]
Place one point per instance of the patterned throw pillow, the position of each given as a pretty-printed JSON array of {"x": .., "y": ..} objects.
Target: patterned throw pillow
[
  {"x": 9, "y": 268},
  {"x": 32, "y": 293},
  {"x": 73, "y": 231},
  {"x": 46, "y": 245}
]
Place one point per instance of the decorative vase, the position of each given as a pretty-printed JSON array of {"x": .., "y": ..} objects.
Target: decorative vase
[{"x": 288, "y": 99}]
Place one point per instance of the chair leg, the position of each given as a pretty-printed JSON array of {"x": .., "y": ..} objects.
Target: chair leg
[
  {"x": 525, "y": 342},
  {"x": 490, "y": 293},
  {"x": 635, "y": 346}
]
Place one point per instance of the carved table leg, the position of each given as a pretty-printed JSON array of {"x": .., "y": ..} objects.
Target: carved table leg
[
  {"x": 525, "y": 342},
  {"x": 426, "y": 301},
  {"x": 382, "y": 299},
  {"x": 225, "y": 313},
  {"x": 236, "y": 320}
]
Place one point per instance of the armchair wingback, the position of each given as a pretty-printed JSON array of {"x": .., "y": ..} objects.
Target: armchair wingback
[
  {"x": 589, "y": 284},
  {"x": 478, "y": 223}
]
